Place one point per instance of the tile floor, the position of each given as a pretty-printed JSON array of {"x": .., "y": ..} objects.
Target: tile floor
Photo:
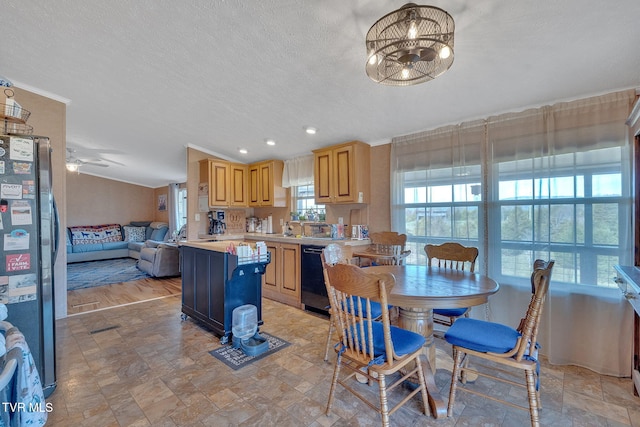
[{"x": 152, "y": 369}]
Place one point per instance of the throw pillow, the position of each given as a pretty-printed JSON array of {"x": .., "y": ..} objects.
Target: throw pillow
[
  {"x": 83, "y": 235},
  {"x": 159, "y": 233},
  {"x": 134, "y": 234}
]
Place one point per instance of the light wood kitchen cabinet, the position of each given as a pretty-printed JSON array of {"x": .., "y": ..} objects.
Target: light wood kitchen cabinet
[
  {"x": 216, "y": 174},
  {"x": 239, "y": 185},
  {"x": 341, "y": 173},
  {"x": 265, "y": 184},
  {"x": 281, "y": 281},
  {"x": 227, "y": 182}
]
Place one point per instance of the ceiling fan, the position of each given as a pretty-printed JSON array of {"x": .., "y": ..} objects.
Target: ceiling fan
[{"x": 73, "y": 163}]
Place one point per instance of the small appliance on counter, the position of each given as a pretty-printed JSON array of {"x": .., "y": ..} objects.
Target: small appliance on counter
[
  {"x": 216, "y": 222},
  {"x": 359, "y": 232},
  {"x": 252, "y": 223},
  {"x": 267, "y": 225},
  {"x": 337, "y": 231}
]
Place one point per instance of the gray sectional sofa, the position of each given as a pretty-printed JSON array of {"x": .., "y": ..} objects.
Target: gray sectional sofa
[{"x": 107, "y": 241}]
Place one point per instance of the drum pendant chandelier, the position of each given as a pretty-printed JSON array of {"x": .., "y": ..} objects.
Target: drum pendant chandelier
[{"x": 411, "y": 45}]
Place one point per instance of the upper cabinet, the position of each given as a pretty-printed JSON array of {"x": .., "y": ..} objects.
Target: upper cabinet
[
  {"x": 239, "y": 185},
  {"x": 341, "y": 173},
  {"x": 265, "y": 184},
  {"x": 216, "y": 174},
  {"x": 227, "y": 182}
]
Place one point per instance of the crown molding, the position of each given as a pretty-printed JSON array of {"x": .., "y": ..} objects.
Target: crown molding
[
  {"x": 213, "y": 153},
  {"x": 42, "y": 92}
]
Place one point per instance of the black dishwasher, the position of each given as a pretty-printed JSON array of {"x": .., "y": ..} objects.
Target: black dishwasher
[{"x": 313, "y": 291}]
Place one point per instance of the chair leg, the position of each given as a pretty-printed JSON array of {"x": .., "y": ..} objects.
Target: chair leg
[
  {"x": 332, "y": 328},
  {"x": 423, "y": 386},
  {"x": 384, "y": 404},
  {"x": 463, "y": 370},
  {"x": 457, "y": 360},
  {"x": 334, "y": 382},
  {"x": 533, "y": 398}
]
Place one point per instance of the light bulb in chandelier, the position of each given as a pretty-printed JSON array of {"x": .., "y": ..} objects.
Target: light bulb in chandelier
[
  {"x": 373, "y": 57},
  {"x": 445, "y": 52},
  {"x": 413, "y": 30},
  {"x": 406, "y": 71}
]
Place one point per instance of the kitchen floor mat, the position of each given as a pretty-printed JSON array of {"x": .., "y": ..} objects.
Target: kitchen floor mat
[{"x": 235, "y": 357}]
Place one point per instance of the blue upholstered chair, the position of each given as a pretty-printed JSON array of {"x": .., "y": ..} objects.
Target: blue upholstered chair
[
  {"x": 374, "y": 349},
  {"x": 457, "y": 257},
  {"x": 502, "y": 344}
]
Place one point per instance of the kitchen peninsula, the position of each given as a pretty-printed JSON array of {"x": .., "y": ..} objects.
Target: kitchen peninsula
[{"x": 215, "y": 281}]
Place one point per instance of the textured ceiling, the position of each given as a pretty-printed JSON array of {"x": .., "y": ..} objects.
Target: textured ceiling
[{"x": 146, "y": 78}]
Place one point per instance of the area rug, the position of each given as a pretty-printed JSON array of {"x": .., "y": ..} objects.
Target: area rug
[
  {"x": 236, "y": 359},
  {"x": 81, "y": 275}
]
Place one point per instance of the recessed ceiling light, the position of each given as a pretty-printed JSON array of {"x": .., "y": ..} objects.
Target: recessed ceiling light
[
  {"x": 310, "y": 130},
  {"x": 243, "y": 150},
  {"x": 270, "y": 141}
]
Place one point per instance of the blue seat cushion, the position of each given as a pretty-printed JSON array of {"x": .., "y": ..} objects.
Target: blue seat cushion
[
  {"x": 89, "y": 247},
  {"x": 485, "y": 337},
  {"x": 404, "y": 341},
  {"x": 115, "y": 245},
  {"x": 450, "y": 312}
]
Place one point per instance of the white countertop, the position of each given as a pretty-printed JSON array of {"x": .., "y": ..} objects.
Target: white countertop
[
  {"x": 304, "y": 240},
  {"x": 217, "y": 246},
  {"x": 220, "y": 241},
  {"x": 218, "y": 237}
]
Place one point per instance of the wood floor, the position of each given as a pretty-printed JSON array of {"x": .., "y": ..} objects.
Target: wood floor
[{"x": 107, "y": 296}]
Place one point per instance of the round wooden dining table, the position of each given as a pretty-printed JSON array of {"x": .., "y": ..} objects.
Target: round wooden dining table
[{"x": 417, "y": 291}]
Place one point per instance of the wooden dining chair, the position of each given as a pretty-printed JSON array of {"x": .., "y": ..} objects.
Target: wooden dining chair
[
  {"x": 456, "y": 257},
  {"x": 374, "y": 349},
  {"x": 334, "y": 254},
  {"x": 391, "y": 245},
  {"x": 501, "y": 344}
]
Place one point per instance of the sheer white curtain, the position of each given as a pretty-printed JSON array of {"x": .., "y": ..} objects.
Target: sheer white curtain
[
  {"x": 298, "y": 171},
  {"x": 435, "y": 187},
  {"x": 555, "y": 183},
  {"x": 174, "y": 218}
]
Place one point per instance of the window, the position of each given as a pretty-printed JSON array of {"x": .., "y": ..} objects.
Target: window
[
  {"x": 441, "y": 206},
  {"x": 571, "y": 215},
  {"x": 547, "y": 183},
  {"x": 303, "y": 199},
  {"x": 182, "y": 208}
]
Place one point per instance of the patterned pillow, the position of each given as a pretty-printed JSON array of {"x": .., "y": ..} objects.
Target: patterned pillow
[
  {"x": 134, "y": 234},
  {"x": 83, "y": 235}
]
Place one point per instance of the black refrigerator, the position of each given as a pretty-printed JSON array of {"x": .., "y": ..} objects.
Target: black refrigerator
[{"x": 28, "y": 230}]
